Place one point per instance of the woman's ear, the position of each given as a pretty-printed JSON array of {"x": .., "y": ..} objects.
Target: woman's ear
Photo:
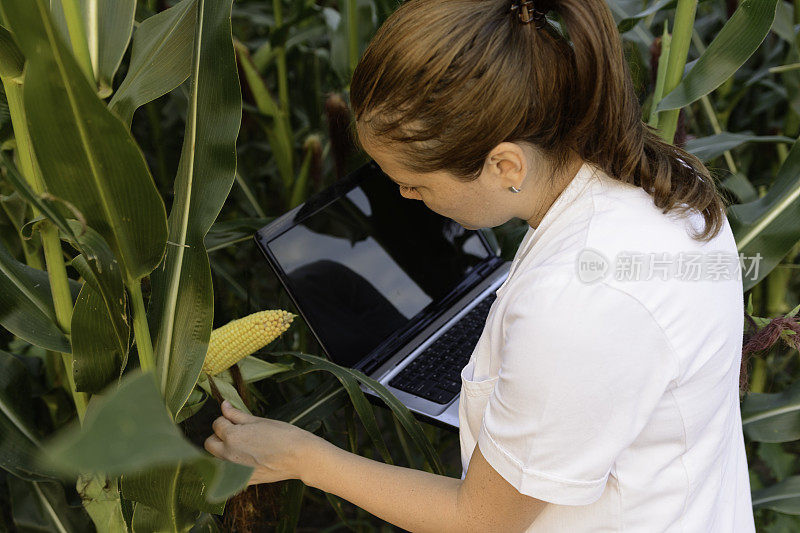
[{"x": 509, "y": 162}]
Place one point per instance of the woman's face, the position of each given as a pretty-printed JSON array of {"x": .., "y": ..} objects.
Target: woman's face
[{"x": 483, "y": 203}]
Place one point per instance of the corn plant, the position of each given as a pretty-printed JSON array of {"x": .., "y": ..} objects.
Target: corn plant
[
  {"x": 75, "y": 173},
  {"x": 88, "y": 183}
]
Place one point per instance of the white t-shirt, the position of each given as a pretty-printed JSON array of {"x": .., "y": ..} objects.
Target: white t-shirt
[{"x": 612, "y": 396}]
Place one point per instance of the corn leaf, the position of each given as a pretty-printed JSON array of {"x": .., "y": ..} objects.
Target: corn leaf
[
  {"x": 109, "y": 26},
  {"x": 767, "y": 226},
  {"x": 11, "y": 59},
  {"x": 146, "y": 519},
  {"x": 99, "y": 358},
  {"x": 26, "y": 304},
  {"x": 100, "y": 496},
  {"x": 125, "y": 430},
  {"x": 192, "y": 406},
  {"x": 359, "y": 400},
  {"x": 43, "y": 506},
  {"x": 628, "y": 23},
  {"x": 229, "y": 232},
  {"x": 783, "y": 497},
  {"x": 161, "y": 59},
  {"x": 99, "y": 330},
  {"x": 94, "y": 365},
  {"x": 181, "y": 305},
  {"x": 707, "y": 148},
  {"x": 160, "y": 489},
  {"x": 254, "y": 369},
  {"x": 278, "y": 130},
  {"x": 773, "y": 417},
  {"x": 733, "y": 45},
  {"x": 86, "y": 155},
  {"x": 226, "y": 390},
  {"x": 741, "y": 187},
  {"x": 364, "y": 410},
  {"x": 406, "y": 418},
  {"x": 784, "y": 22},
  {"x": 49, "y": 207},
  {"x": 308, "y": 411},
  {"x": 19, "y": 437},
  {"x": 128, "y": 431}
]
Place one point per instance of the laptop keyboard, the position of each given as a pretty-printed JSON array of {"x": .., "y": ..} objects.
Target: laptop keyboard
[{"x": 435, "y": 374}]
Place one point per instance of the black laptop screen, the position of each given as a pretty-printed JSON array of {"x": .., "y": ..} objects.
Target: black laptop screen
[{"x": 365, "y": 265}]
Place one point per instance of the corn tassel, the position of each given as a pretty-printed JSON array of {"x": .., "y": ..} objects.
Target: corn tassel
[{"x": 239, "y": 338}]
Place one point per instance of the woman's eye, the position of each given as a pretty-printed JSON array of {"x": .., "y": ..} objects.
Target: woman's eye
[{"x": 409, "y": 189}]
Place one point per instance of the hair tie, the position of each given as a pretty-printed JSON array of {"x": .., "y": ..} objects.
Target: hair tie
[{"x": 527, "y": 12}]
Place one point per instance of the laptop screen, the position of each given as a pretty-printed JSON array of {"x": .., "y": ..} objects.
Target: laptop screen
[{"x": 362, "y": 267}]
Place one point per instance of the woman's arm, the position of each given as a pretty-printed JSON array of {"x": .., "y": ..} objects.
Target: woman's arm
[{"x": 414, "y": 500}]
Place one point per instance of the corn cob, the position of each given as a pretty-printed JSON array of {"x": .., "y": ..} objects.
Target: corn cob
[{"x": 237, "y": 339}]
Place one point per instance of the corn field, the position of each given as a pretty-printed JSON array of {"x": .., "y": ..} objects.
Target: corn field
[{"x": 143, "y": 142}]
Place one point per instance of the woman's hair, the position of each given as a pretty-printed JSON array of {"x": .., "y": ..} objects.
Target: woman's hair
[{"x": 445, "y": 81}]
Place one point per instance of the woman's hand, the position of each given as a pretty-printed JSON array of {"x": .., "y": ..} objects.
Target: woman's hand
[{"x": 274, "y": 448}]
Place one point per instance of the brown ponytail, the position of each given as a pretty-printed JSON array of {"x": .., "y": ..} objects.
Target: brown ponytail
[{"x": 445, "y": 81}]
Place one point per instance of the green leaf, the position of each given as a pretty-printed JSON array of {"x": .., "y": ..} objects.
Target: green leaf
[
  {"x": 255, "y": 369},
  {"x": 228, "y": 232},
  {"x": 707, "y": 148},
  {"x": 733, "y": 45},
  {"x": 109, "y": 28},
  {"x": 768, "y": 226},
  {"x": 128, "y": 432},
  {"x": 43, "y": 506},
  {"x": 182, "y": 303},
  {"x": 772, "y": 417},
  {"x": 628, "y": 23},
  {"x": 308, "y": 411},
  {"x": 26, "y": 304},
  {"x": 107, "y": 25},
  {"x": 97, "y": 352},
  {"x": 161, "y": 59},
  {"x": 148, "y": 520},
  {"x": 105, "y": 290},
  {"x": 86, "y": 154},
  {"x": 125, "y": 430},
  {"x": 19, "y": 438},
  {"x": 49, "y": 206},
  {"x": 279, "y": 133},
  {"x": 777, "y": 459},
  {"x": 11, "y": 59},
  {"x": 101, "y": 304},
  {"x": 349, "y": 379},
  {"x": 739, "y": 185},
  {"x": 783, "y": 497},
  {"x": 101, "y": 500},
  {"x": 176, "y": 495},
  {"x": 197, "y": 399},
  {"x": 784, "y": 22},
  {"x": 99, "y": 331},
  {"x": 226, "y": 390},
  {"x": 173, "y": 489}
]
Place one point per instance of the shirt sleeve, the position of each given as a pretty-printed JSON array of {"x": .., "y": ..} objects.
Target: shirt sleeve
[{"x": 582, "y": 368}]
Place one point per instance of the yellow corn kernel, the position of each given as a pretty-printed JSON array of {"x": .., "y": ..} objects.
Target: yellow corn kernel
[{"x": 237, "y": 339}]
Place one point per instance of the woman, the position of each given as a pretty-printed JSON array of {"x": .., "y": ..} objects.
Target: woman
[{"x": 603, "y": 392}]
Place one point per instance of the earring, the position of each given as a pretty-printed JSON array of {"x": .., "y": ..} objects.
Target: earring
[{"x": 514, "y": 189}]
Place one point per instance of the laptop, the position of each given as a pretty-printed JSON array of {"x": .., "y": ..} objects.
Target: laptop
[{"x": 388, "y": 287}]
